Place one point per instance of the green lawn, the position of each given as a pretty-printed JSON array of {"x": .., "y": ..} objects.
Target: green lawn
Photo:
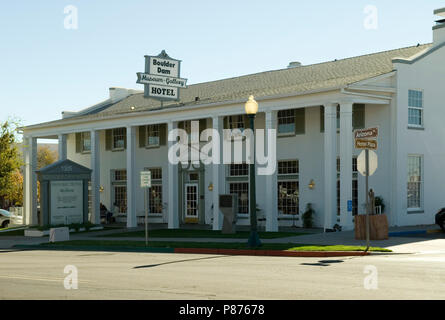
[
  {"x": 186, "y": 233},
  {"x": 12, "y": 231},
  {"x": 207, "y": 245}
]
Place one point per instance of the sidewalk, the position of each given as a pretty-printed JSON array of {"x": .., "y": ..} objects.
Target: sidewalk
[{"x": 396, "y": 244}]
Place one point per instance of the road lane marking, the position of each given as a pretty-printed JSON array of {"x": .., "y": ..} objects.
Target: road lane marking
[{"x": 24, "y": 277}]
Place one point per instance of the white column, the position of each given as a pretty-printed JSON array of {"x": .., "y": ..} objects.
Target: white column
[
  {"x": 217, "y": 173},
  {"x": 95, "y": 177},
  {"x": 62, "y": 147},
  {"x": 173, "y": 217},
  {"x": 330, "y": 164},
  {"x": 30, "y": 180},
  {"x": 271, "y": 180},
  {"x": 131, "y": 178},
  {"x": 345, "y": 164}
]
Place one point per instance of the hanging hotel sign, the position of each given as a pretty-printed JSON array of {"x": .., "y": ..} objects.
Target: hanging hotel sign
[{"x": 161, "y": 78}]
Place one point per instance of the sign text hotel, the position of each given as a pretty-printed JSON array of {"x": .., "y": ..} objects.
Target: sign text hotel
[{"x": 161, "y": 78}]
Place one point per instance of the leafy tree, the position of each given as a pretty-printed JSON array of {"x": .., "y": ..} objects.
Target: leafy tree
[
  {"x": 45, "y": 156},
  {"x": 10, "y": 161},
  {"x": 15, "y": 191}
]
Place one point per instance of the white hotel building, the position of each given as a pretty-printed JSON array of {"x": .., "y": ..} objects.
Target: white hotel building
[{"x": 314, "y": 109}]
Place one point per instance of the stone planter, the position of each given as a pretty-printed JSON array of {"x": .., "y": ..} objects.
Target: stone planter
[{"x": 378, "y": 227}]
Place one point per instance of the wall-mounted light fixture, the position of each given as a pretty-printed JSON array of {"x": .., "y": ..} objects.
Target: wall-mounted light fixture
[
  {"x": 101, "y": 189},
  {"x": 312, "y": 184},
  {"x": 132, "y": 108},
  {"x": 210, "y": 187}
]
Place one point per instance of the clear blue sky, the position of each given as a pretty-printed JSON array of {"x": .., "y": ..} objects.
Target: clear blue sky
[{"x": 45, "y": 69}]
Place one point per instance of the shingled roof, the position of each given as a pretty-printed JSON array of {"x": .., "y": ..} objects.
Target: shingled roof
[{"x": 298, "y": 80}]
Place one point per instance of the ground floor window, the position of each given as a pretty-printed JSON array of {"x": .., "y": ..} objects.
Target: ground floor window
[
  {"x": 288, "y": 197},
  {"x": 354, "y": 197},
  {"x": 120, "y": 198},
  {"x": 241, "y": 189},
  {"x": 288, "y": 187},
  {"x": 415, "y": 181},
  {"x": 354, "y": 187},
  {"x": 155, "y": 192},
  {"x": 119, "y": 187}
]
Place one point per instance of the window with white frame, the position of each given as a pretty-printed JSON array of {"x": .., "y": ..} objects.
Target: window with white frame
[
  {"x": 415, "y": 182},
  {"x": 237, "y": 170},
  {"x": 118, "y": 138},
  {"x": 288, "y": 187},
  {"x": 415, "y": 108},
  {"x": 153, "y": 135},
  {"x": 354, "y": 187},
  {"x": 288, "y": 167},
  {"x": 85, "y": 141},
  {"x": 286, "y": 122},
  {"x": 236, "y": 122},
  {"x": 119, "y": 188},
  {"x": 241, "y": 189},
  {"x": 238, "y": 183},
  {"x": 155, "y": 192}
]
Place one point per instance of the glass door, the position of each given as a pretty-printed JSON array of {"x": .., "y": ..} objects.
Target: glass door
[{"x": 191, "y": 201}]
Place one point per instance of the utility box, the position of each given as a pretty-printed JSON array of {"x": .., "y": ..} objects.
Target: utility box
[
  {"x": 228, "y": 204},
  {"x": 59, "y": 234}
]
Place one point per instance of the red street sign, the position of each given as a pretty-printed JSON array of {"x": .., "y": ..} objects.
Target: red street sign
[{"x": 366, "y": 133}]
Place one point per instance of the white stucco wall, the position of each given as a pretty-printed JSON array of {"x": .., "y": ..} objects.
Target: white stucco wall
[{"x": 427, "y": 74}]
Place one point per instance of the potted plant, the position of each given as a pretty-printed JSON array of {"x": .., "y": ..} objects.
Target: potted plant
[
  {"x": 308, "y": 216},
  {"x": 379, "y": 203}
]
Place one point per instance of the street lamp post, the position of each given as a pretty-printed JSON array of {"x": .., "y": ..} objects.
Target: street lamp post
[{"x": 251, "y": 108}]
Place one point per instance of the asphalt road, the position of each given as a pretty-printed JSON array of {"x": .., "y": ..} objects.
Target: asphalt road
[{"x": 117, "y": 275}]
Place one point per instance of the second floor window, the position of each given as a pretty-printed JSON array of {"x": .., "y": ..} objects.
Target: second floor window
[
  {"x": 415, "y": 108},
  {"x": 119, "y": 138},
  {"x": 286, "y": 122},
  {"x": 153, "y": 134},
  {"x": 239, "y": 170},
  {"x": 86, "y": 142}
]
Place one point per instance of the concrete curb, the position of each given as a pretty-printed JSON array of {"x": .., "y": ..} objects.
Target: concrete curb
[
  {"x": 95, "y": 248},
  {"x": 272, "y": 253},
  {"x": 227, "y": 252}
]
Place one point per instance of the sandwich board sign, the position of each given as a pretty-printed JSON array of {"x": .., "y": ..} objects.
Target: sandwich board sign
[{"x": 161, "y": 78}]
